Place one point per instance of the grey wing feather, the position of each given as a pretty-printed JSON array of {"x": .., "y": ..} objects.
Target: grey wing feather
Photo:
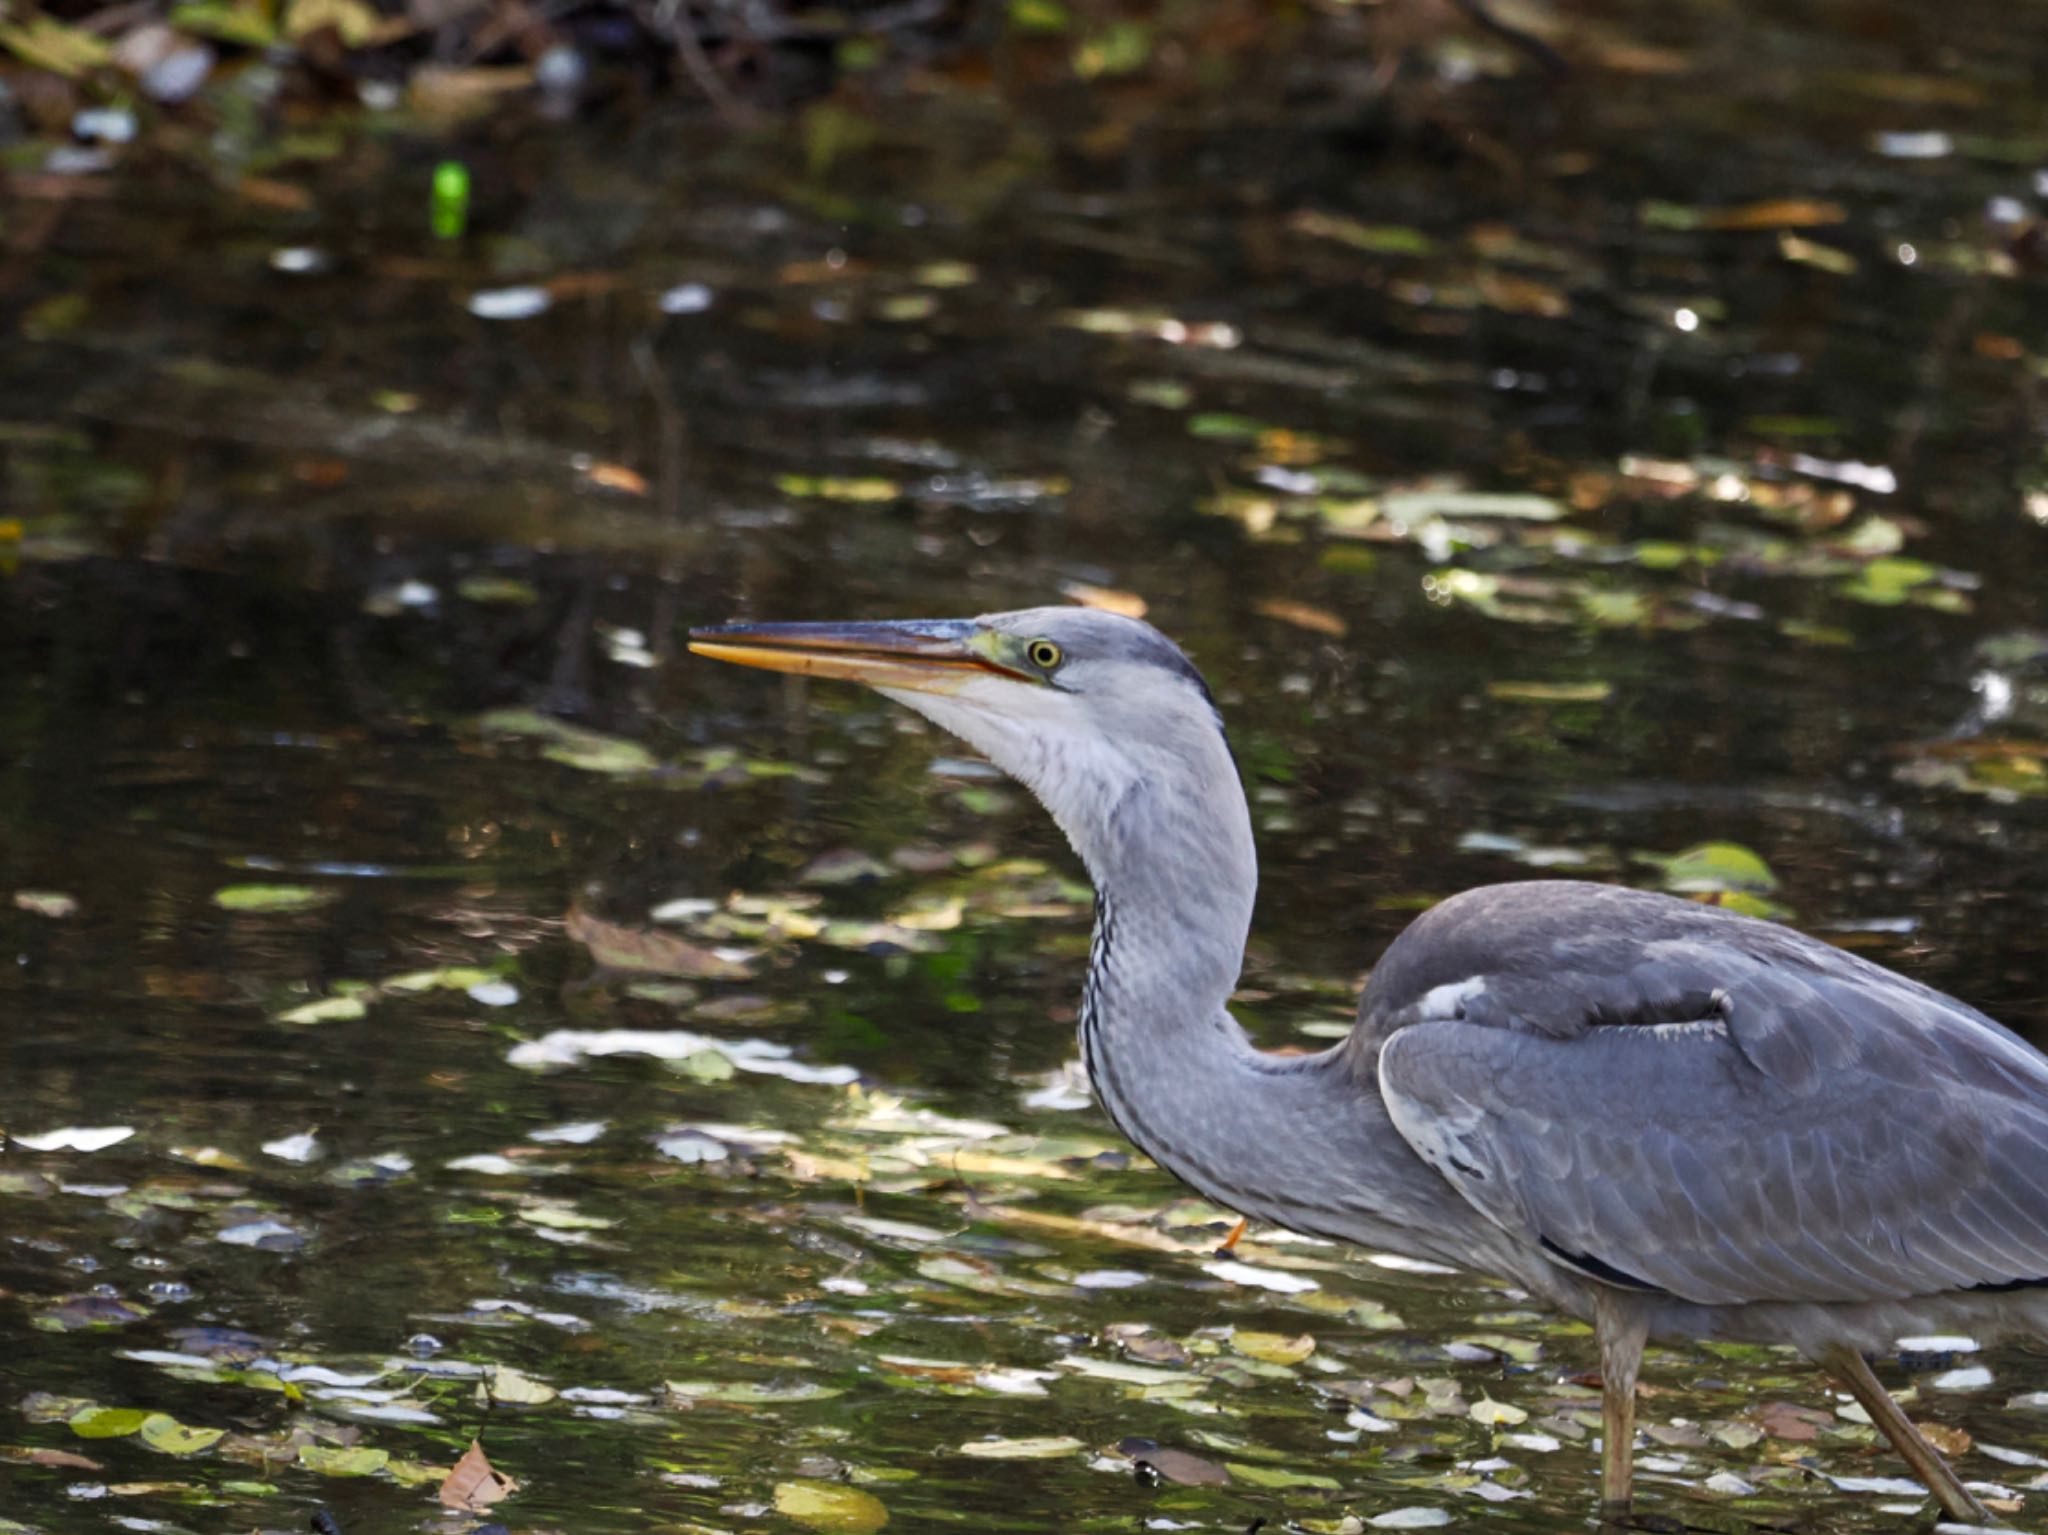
[{"x": 1674, "y": 1096}]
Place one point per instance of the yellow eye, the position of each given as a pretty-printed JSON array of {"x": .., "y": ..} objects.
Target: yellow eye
[{"x": 1044, "y": 654}]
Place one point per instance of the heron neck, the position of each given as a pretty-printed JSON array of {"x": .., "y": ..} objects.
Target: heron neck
[{"x": 1303, "y": 1141}]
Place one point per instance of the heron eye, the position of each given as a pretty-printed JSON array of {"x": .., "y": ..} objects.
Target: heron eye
[{"x": 1044, "y": 654}]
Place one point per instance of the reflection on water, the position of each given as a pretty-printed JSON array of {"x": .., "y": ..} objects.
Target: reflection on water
[{"x": 1557, "y": 479}]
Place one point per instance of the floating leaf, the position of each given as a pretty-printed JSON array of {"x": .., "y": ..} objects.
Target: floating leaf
[
  {"x": 644, "y": 952},
  {"x": 518, "y": 1388},
  {"x": 161, "y": 1431},
  {"x": 1051, "y": 1447},
  {"x": 46, "y": 903},
  {"x": 108, "y": 1422},
  {"x": 75, "y": 1138},
  {"x": 1497, "y": 1414},
  {"x": 473, "y": 1483},
  {"x": 326, "y": 1010},
  {"x": 1259, "y": 1278},
  {"x": 1273, "y": 1347},
  {"x": 830, "y": 1506},
  {"x": 343, "y": 1460},
  {"x": 1552, "y": 692},
  {"x": 750, "y": 1393},
  {"x": 270, "y": 897},
  {"x": 1717, "y": 866},
  {"x": 1280, "y": 1480},
  {"x": 42, "y": 42}
]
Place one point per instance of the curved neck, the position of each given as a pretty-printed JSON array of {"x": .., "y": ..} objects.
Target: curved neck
[{"x": 1303, "y": 1141}]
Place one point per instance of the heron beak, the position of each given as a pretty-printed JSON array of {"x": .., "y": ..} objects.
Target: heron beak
[{"x": 912, "y": 655}]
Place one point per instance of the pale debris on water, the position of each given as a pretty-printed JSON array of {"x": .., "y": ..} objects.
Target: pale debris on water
[
  {"x": 1259, "y": 1278},
  {"x": 75, "y": 1138},
  {"x": 570, "y": 1047},
  {"x": 303, "y": 1147}
]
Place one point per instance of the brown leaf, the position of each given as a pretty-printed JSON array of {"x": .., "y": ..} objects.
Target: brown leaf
[
  {"x": 1788, "y": 1420},
  {"x": 1945, "y": 1438},
  {"x": 630, "y": 948},
  {"x": 1303, "y": 616},
  {"x": 1776, "y": 213},
  {"x": 1107, "y": 598},
  {"x": 63, "y": 1460},
  {"x": 474, "y": 1484},
  {"x": 609, "y": 476},
  {"x": 1176, "y": 1466}
]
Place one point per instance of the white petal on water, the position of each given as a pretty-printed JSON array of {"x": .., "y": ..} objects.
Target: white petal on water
[
  {"x": 1970, "y": 1378},
  {"x": 845, "y": 1286},
  {"x": 250, "y": 1233},
  {"x": 570, "y": 1047},
  {"x": 580, "y": 1132},
  {"x": 689, "y": 1146},
  {"x": 1258, "y": 1278},
  {"x": 1890, "y": 1486},
  {"x": 494, "y": 993},
  {"x": 2009, "y": 1456},
  {"x": 303, "y": 1147},
  {"x": 898, "y": 1231},
  {"x": 521, "y": 303},
  {"x": 485, "y": 1162},
  {"x": 1110, "y": 1279},
  {"x": 166, "y": 1359},
  {"x": 1939, "y": 1343},
  {"x": 1542, "y": 1444},
  {"x": 604, "y": 1396},
  {"x": 686, "y": 298},
  {"x": 387, "y": 1412},
  {"x": 1729, "y": 1485},
  {"x": 1405, "y": 1265},
  {"x": 76, "y": 1138},
  {"x": 322, "y": 1375},
  {"x": 1409, "y": 1519},
  {"x": 1371, "y": 1423}
]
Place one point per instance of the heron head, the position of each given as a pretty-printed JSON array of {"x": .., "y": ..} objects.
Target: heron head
[{"x": 1080, "y": 706}]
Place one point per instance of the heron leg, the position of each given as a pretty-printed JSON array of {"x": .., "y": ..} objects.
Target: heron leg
[
  {"x": 1622, "y": 1332},
  {"x": 1852, "y": 1370}
]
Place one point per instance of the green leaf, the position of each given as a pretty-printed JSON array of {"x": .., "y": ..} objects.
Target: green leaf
[
  {"x": 1274, "y": 1477},
  {"x": 161, "y": 1431},
  {"x": 270, "y": 897},
  {"x": 43, "y": 43},
  {"x": 108, "y": 1422},
  {"x": 1039, "y": 16},
  {"x": 519, "y": 1388},
  {"x": 1122, "y": 48},
  {"x": 326, "y": 1010},
  {"x": 829, "y": 1506},
  {"x": 1718, "y": 866},
  {"x": 745, "y": 1393},
  {"x": 343, "y": 1460},
  {"x": 245, "y": 24}
]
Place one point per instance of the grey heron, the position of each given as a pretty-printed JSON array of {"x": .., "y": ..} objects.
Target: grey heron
[{"x": 1665, "y": 1118}]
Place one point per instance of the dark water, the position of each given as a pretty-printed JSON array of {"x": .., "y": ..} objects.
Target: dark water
[{"x": 1736, "y": 313}]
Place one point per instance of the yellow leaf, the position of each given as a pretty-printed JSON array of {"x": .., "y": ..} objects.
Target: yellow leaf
[
  {"x": 46, "y": 44},
  {"x": 518, "y": 1388},
  {"x": 828, "y": 1506},
  {"x": 1486, "y": 1410},
  {"x": 355, "y": 22},
  {"x": 1273, "y": 1347},
  {"x": 1051, "y": 1447}
]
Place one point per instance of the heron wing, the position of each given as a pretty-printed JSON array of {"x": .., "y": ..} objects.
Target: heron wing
[{"x": 1670, "y": 1096}]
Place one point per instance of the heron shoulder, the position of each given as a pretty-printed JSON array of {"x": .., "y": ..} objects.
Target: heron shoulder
[{"x": 1565, "y": 957}]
